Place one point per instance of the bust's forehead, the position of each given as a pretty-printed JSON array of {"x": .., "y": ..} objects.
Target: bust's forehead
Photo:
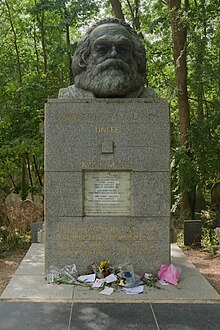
[{"x": 109, "y": 29}]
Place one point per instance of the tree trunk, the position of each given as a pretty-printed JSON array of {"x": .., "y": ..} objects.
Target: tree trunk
[
  {"x": 71, "y": 78},
  {"x": 116, "y": 6},
  {"x": 30, "y": 176},
  {"x": 40, "y": 20},
  {"x": 67, "y": 29},
  {"x": 24, "y": 187},
  {"x": 36, "y": 50},
  {"x": 16, "y": 49},
  {"x": 43, "y": 41},
  {"x": 37, "y": 171},
  {"x": 179, "y": 35},
  {"x": 200, "y": 47},
  {"x": 137, "y": 24}
]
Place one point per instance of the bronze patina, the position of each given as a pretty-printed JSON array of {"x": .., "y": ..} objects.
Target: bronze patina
[{"x": 109, "y": 62}]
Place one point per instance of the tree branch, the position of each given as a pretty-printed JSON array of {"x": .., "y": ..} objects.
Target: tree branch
[{"x": 117, "y": 9}]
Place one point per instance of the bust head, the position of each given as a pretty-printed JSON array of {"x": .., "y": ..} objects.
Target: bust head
[{"x": 110, "y": 60}]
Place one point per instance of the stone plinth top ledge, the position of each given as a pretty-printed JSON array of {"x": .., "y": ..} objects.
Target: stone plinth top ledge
[{"x": 110, "y": 100}]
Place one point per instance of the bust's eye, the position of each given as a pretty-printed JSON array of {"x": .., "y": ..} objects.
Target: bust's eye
[
  {"x": 102, "y": 49},
  {"x": 123, "y": 49}
]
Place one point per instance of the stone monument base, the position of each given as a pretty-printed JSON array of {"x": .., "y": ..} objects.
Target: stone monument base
[{"x": 107, "y": 183}]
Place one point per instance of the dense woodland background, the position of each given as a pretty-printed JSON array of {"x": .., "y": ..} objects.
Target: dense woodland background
[{"x": 182, "y": 40}]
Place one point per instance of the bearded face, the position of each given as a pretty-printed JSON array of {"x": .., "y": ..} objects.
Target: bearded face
[
  {"x": 112, "y": 78},
  {"x": 111, "y": 69}
]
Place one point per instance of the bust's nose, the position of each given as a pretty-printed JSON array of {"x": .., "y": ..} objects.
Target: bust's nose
[{"x": 113, "y": 52}]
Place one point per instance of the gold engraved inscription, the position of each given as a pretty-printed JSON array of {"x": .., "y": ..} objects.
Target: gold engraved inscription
[
  {"x": 107, "y": 129},
  {"x": 116, "y": 241},
  {"x": 98, "y": 234},
  {"x": 133, "y": 117}
]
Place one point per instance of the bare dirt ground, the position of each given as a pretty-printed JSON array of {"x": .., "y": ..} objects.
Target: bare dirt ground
[{"x": 207, "y": 263}]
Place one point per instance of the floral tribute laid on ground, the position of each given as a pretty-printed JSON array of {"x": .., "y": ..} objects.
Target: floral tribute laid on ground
[{"x": 107, "y": 278}]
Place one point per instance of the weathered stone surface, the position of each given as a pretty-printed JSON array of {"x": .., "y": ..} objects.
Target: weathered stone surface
[
  {"x": 107, "y": 136},
  {"x": 13, "y": 200},
  {"x": 144, "y": 241},
  {"x": 63, "y": 191},
  {"x": 81, "y": 129}
]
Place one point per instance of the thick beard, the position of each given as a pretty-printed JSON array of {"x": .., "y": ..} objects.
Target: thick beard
[{"x": 112, "y": 78}]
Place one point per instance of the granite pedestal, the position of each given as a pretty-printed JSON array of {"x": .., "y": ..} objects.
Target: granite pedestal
[{"x": 107, "y": 182}]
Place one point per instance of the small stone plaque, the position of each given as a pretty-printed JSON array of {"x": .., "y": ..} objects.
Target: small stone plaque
[{"x": 107, "y": 193}]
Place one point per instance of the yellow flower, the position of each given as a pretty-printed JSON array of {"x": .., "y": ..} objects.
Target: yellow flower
[{"x": 105, "y": 266}]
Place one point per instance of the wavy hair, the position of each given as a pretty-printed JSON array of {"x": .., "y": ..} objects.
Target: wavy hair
[{"x": 81, "y": 55}]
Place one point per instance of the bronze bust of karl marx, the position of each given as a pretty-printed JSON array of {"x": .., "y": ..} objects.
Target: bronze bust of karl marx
[{"x": 109, "y": 62}]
